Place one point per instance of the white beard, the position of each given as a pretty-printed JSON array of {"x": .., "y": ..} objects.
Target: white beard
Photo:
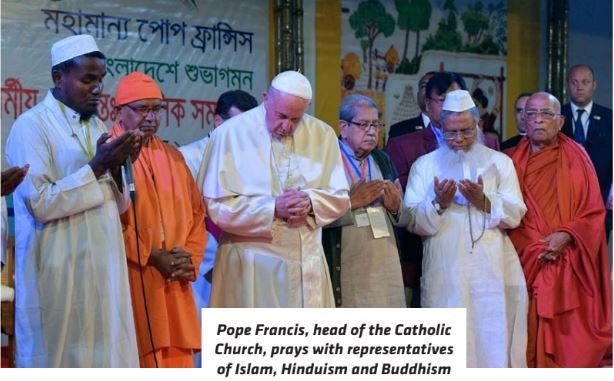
[{"x": 460, "y": 165}]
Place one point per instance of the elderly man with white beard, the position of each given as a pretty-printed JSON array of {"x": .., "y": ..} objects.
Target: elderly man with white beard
[{"x": 461, "y": 198}]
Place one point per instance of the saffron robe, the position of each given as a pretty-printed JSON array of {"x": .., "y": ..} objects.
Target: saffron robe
[
  {"x": 261, "y": 260},
  {"x": 571, "y": 298},
  {"x": 169, "y": 213}
]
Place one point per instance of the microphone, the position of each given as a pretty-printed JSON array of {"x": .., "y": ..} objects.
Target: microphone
[{"x": 130, "y": 178}]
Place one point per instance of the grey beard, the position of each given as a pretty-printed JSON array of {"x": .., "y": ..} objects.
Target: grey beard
[{"x": 451, "y": 162}]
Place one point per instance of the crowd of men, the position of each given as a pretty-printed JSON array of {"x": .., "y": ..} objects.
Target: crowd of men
[{"x": 114, "y": 227}]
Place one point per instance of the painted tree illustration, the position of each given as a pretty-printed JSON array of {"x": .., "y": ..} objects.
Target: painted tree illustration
[
  {"x": 368, "y": 22},
  {"x": 475, "y": 22},
  {"x": 414, "y": 15},
  {"x": 447, "y": 37},
  {"x": 483, "y": 28},
  {"x": 497, "y": 14}
]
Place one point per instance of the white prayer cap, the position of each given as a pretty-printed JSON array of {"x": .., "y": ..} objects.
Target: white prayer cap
[
  {"x": 458, "y": 101},
  {"x": 293, "y": 83},
  {"x": 71, "y": 47}
]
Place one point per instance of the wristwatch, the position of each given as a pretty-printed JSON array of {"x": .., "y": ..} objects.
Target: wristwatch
[{"x": 438, "y": 207}]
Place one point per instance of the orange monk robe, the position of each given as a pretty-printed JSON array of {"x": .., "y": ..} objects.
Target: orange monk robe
[
  {"x": 166, "y": 196},
  {"x": 570, "y": 313}
]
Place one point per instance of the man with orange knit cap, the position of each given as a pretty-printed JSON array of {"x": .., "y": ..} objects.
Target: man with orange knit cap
[{"x": 168, "y": 220}]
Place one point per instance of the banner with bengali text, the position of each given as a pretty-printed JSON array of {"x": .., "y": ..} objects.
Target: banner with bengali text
[{"x": 196, "y": 50}]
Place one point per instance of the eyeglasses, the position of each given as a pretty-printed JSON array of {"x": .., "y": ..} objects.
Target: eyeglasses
[
  {"x": 532, "y": 114},
  {"x": 451, "y": 135},
  {"x": 144, "y": 110},
  {"x": 438, "y": 100},
  {"x": 365, "y": 125}
]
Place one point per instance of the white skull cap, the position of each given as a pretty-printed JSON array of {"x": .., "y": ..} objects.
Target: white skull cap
[
  {"x": 71, "y": 47},
  {"x": 458, "y": 101}
]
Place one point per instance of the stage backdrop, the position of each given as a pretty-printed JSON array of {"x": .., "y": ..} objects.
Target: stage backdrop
[
  {"x": 195, "y": 49},
  {"x": 388, "y": 45}
]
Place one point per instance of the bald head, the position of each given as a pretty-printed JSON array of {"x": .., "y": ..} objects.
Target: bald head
[
  {"x": 546, "y": 97},
  {"x": 543, "y": 120},
  {"x": 581, "y": 85}
]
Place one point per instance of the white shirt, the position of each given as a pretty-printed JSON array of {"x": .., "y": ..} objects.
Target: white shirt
[
  {"x": 425, "y": 119},
  {"x": 193, "y": 154}
]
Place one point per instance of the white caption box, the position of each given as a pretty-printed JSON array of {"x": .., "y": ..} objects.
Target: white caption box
[{"x": 350, "y": 344}]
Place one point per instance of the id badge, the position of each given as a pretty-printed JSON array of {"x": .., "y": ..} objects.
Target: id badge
[
  {"x": 362, "y": 219},
  {"x": 377, "y": 219}
]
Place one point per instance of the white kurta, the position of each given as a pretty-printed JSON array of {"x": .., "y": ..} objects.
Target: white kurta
[
  {"x": 488, "y": 279},
  {"x": 193, "y": 154},
  {"x": 261, "y": 261},
  {"x": 73, "y": 306}
]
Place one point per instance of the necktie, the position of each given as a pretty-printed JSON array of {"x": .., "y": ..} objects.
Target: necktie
[{"x": 578, "y": 128}]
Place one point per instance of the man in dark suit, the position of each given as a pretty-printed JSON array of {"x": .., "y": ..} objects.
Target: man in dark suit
[
  {"x": 521, "y": 100},
  {"x": 421, "y": 121},
  {"x": 592, "y": 129},
  {"x": 403, "y": 151}
]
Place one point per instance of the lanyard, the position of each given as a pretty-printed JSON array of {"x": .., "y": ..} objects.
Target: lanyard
[
  {"x": 87, "y": 150},
  {"x": 438, "y": 134},
  {"x": 347, "y": 161}
]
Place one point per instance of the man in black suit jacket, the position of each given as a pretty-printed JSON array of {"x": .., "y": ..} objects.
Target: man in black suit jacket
[
  {"x": 421, "y": 121},
  {"x": 521, "y": 100},
  {"x": 594, "y": 130}
]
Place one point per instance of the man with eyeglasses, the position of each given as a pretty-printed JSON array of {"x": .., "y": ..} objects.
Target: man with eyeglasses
[
  {"x": 168, "y": 220},
  {"x": 404, "y": 150},
  {"x": 274, "y": 178},
  {"x": 360, "y": 247},
  {"x": 521, "y": 101},
  {"x": 72, "y": 293},
  {"x": 461, "y": 198},
  {"x": 561, "y": 244}
]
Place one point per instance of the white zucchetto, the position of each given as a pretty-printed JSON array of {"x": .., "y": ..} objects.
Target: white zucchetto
[{"x": 293, "y": 83}]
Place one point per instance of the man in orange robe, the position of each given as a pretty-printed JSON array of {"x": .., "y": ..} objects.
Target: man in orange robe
[
  {"x": 561, "y": 244},
  {"x": 170, "y": 227}
]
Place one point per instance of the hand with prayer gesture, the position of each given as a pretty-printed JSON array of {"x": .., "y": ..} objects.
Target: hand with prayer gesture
[
  {"x": 392, "y": 195},
  {"x": 174, "y": 265},
  {"x": 474, "y": 193},
  {"x": 12, "y": 177},
  {"x": 444, "y": 191},
  {"x": 293, "y": 206},
  {"x": 364, "y": 193},
  {"x": 555, "y": 242},
  {"x": 112, "y": 154}
]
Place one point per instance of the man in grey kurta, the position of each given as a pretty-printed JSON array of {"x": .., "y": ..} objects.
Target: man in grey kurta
[{"x": 366, "y": 271}]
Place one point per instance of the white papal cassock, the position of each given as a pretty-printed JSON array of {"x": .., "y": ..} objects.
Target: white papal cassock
[
  {"x": 261, "y": 261},
  {"x": 73, "y": 306},
  {"x": 486, "y": 279}
]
